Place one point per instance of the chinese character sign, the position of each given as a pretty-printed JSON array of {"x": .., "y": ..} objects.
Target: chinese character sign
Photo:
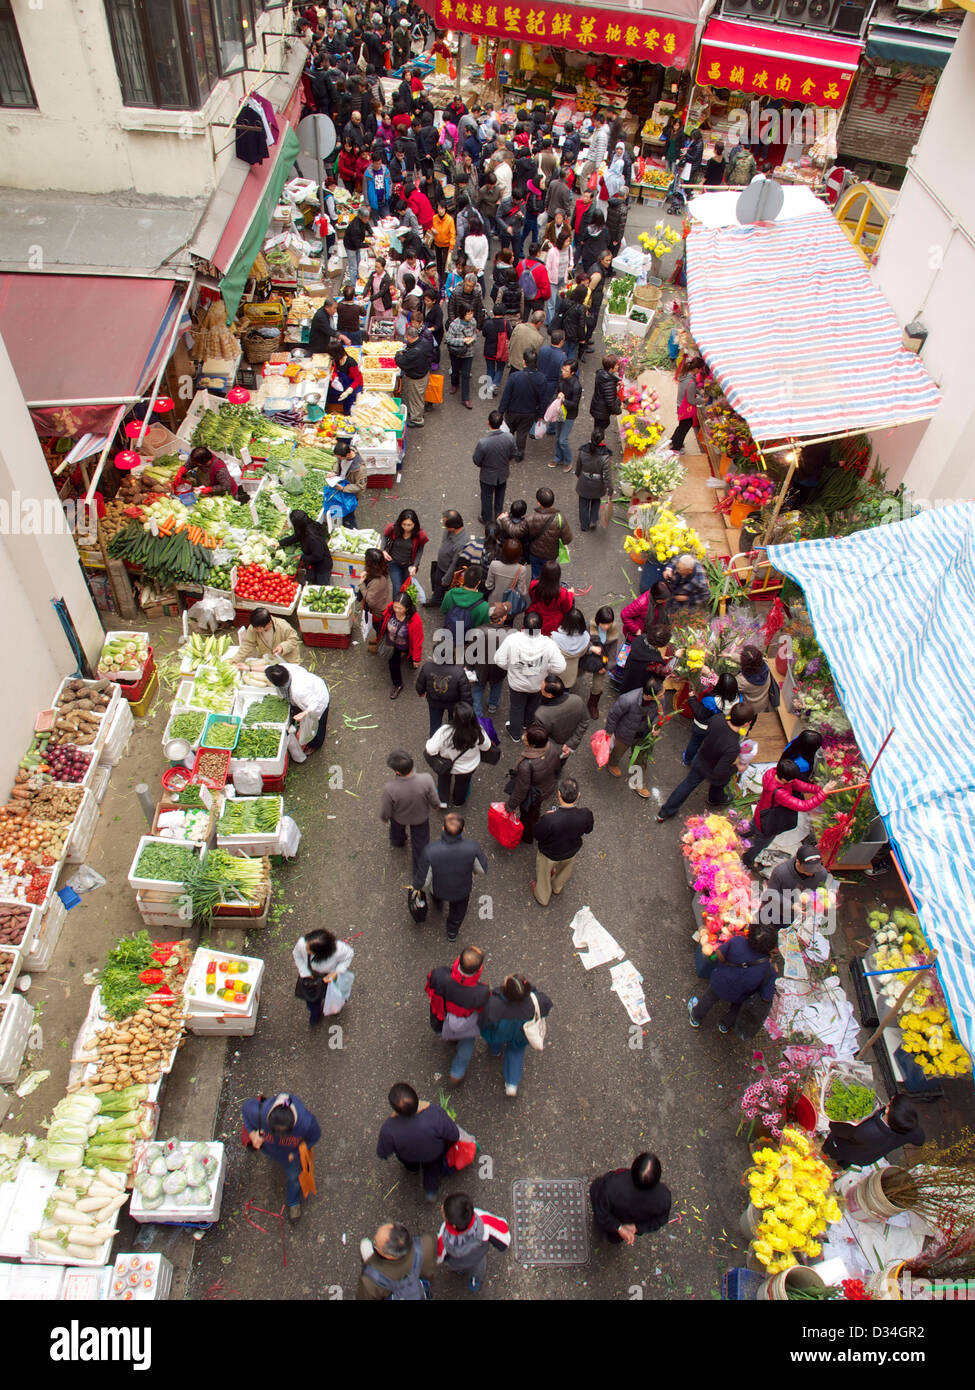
[
  {"x": 775, "y": 75},
  {"x": 616, "y": 33}
]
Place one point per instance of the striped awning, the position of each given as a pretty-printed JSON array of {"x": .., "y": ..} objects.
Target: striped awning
[
  {"x": 802, "y": 342},
  {"x": 892, "y": 609}
]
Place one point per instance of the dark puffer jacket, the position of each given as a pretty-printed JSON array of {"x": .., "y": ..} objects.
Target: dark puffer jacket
[{"x": 605, "y": 401}]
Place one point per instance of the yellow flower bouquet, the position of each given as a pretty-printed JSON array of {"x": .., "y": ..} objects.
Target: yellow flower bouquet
[{"x": 792, "y": 1188}]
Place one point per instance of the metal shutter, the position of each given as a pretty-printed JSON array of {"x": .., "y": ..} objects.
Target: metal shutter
[{"x": 884, "y": 116}]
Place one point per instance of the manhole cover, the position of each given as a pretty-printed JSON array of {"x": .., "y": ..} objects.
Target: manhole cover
[{"x": 551, "y": 1221}]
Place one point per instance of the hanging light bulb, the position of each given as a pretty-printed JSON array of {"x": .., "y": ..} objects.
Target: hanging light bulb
[{"x": 133, "y": 429}]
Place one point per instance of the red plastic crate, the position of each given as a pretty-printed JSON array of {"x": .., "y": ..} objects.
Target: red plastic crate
[
  {"x": 381, "y": 480},
  {"x": 275, "y": 784},
  {"x": 326, "y": 639},
  {"x": 133, "y": 691},
  {"x": 215, "y": 784}
]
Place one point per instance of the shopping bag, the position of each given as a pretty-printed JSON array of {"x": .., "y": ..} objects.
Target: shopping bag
[
  {"x": 462, "y": 1151},
  {"x": 416, "y": 901},
  {"x": 535, "y": 1028},
  {"x": 421, "y": 593},
  {"x": 600, "y": 743},
  {"x": 564, "y": 556},
  {"x": 345, "y": 502},
  {"x": 501, "y": 351},
  {"x": 434, "y": 391},
  {"x": 491, "y": 755},
  {"x": 504, "y": 825},
  {"x": 365, "y": 623},
  {"x": 337, "y": 993},
  {"x": 606, "y": 511},
  {"x": 553, "y": 413},
  {"x": 539, "y": 429},
  {"x": 306, "y": 1178}
]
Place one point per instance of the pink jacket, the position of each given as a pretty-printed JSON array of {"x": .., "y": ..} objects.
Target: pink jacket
[
  {"x": 634, "y": 615},
  {"x": 778, "y": 793}
]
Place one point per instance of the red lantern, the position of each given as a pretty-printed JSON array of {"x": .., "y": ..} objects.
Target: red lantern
[
  {"x": 238, "y": 395},
  {"x": 134, "y": 428},
  {"x": 127, "y": 459},
  {"x": 162, "y": 404}
]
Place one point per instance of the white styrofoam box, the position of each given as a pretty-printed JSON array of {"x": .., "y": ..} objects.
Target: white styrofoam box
[
  {"x": 136, "y": 671},
  {"x": 22, "y": 1203},
  {"x": 84, "y": 1285},
  {"x": 176, "y": 1216},
  {"x": 152, "y": 883},
  {"x": 16, "y": 957},
  {"x": 115, "y": 698},
  {"x": 176, "y": 914},
  {"x": 16, "y": 1021},
  {"x": 348, "y": 576},
  {"x": 248, "y": 696},
  {"x": 33, "y": 922},
  {"x": 382, "y": 459},
  {"x": 100, "y": 780},
  {"x": 184, "y": 709},
  {"x": 197, "y": 1000},
  {"x": 199, "y": 405},
  {"x": 205, "y": 669},
  {"x": 226, "y": 1025},
  {"x": 119, "y": 733},
  {"x": 47, "y": 933},
  {"x": 82, "y": 830},
  {"x": 615, "y": 324},
  {"x": 639, "y": 330},
  {"x": 310, "y": 621},
  {"x": 31, "y": 1283},
  {"x": 268, "y": 767},
  {"x": 253, "y": 842},
  {"x": 139, "y": 1279}
]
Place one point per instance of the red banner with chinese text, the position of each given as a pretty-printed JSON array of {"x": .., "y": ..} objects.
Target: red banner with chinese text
[
  {"x": 617, "y": 33},
  {"x": 786, "y": 65}
]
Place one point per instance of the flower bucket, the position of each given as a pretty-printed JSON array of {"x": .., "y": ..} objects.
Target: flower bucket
[
  {"x": 750, "y": 1221},
  {"x": 724, "y": 463},
  {"x": 776, "y": 1289},
  {"x": 885, "y": 1285},
  {"x": 739, "y": 512},
  {"x": 867, "y": 1201}
]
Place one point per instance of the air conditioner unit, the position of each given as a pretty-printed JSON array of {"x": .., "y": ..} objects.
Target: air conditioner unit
[
  {"x": 762, "y": 10},
  {"x": 850, "y": 18},
  {"x": 810, "y": 14}
]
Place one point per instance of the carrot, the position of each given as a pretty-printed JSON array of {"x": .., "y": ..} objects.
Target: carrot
[
  {"x": 194, "y": 534},
  {"x": 166, "y": 526}
]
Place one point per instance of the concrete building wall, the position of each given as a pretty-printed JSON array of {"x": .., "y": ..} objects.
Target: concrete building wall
[
  {"x": 82, "y": 137},
  {"x": 34, "y": 569},
  {"x": 926, "y": 270}
]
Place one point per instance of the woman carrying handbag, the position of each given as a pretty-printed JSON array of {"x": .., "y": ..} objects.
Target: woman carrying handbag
[
  {"x": 512, "y": 1020},
  {"x": 454, "y": 753},
  {"x": 688, "y": 399},
  {"x": 324, "y": 978}
]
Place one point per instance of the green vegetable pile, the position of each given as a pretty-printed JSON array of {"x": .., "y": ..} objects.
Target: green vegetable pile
[
  {"x": 258, "y": 743},
  {"x": 122, "y": 991},
  {"x": 222, "y": 733},
  {"x": 189, "y": 798},
  {"x": 188, "y": 725},
  {"x": 310, "y": 498},
  {"x": 252, "y": 815},
  {"x": 849, "y": 1101},
  {"x": 220, "y": 577},
  {"x": 269, "y": 519},
  {"x": 225, "y": 878},
  {"x": 314, "y": 455},
  {"x": 214, "y": 688},
  {"x": 168, "y": 863},
  {"x": 326, "y": 600},
  {"x": 271, "y": 709},
  {"x": 620, "y": 290},
  {"x": 164, "y": 559},
  {"x": 232, "y": 427}
]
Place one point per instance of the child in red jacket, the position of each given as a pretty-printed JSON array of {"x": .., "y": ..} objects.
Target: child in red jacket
[{"x": 783, "y": 797}]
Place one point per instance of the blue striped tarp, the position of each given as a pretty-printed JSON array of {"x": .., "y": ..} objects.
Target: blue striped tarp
[
  {"x": 801, "y": 341},
  {"x": 893, "y": 610}
]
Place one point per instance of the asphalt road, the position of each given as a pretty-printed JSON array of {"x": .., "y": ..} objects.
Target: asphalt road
[{"x": 601, "y": 1091}]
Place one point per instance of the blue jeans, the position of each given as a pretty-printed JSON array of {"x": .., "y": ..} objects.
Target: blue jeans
[
  {"x": 693, "y": 744},
  {"x": 493, "y": 696},
  {"x": 380, "y": 212},
  {"x": 571, "y": 350},
  {"x": 293, "y": 1187},
  {"x": 536, "y": 562},
  {"x": 462, "y": 1057},
  {"x": 550, "y": 306},
  {"x": 563, "y": 454},
  {"x": 399, "y": 575},
  {"x": 514, "y": 1062},
  {"x": 436, "y": 713},
  {"x": 495, "y": 371},
  {"x": 351, "y": 266}
]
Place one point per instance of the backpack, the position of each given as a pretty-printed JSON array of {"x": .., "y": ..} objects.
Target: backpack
[
  {"x": 411, "y": 1288},
  {"x": 526, "y": 283},
  {"x": 514, "y": 598}
]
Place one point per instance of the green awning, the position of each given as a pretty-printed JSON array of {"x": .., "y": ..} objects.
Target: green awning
[
  {"x": 233, "y": 282},
  {"x": 902, "y": 45}
]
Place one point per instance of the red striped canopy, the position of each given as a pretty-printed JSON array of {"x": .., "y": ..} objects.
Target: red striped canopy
[{"x": 800, "y": 339}]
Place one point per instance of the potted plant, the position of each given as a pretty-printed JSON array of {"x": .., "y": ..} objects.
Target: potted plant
[{"x": 747, "y": 493}]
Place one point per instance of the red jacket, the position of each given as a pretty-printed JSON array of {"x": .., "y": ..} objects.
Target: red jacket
[
  {"x": 414, "y": 632},
  {"x": 553, "y": 612},
  {"x": 776, "y": 793},
  {"x": 423, "y": 208},
  {"x": 348, "y": 166},
  {"x": 634, "y": 615},
  {"x": 420, "y": 539}
]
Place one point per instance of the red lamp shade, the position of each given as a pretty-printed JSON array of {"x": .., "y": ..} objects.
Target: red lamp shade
[
  {"x": 134, "y": 428},
  {"x": 238, "y": 395},
  {"x": 126, "y": 459},
  {"x": 162, "y": 404}
]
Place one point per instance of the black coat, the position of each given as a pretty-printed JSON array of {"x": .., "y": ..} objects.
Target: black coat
[
  {"x": 444, "y": 686},
  {"x": 862, "y": 1144},
  {"x": 559, "y": 833},
  {"x": 523, "y": 394},
  {"x": 571, "y": 388},
  {"x": 575, "y": 321},
  {"x": 418, "y": 1138},
  {"x": 592, "y": 470},
  {"x": 355, "y": 235},
  {"x": 415, "y": 359},
  {"x": 719, "y": 752},
  {"x": 491, "y": 329},
  {"x": 617, "y": 1201},
  {"x": 460, "y": 301},
  {"x": 450, "y": 864},
  {"x": 605, "y": 401},
  {"x": 493, "y": 454}
]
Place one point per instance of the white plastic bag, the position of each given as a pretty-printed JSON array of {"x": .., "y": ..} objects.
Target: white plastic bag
[
  {"x": 295, "y": 749},
  {"x": 289, "y": 838},
  {"x": 421, "y": 593},
  {"x": 337, "y": 993},
  {"x": 248, "y": 780},
  {"x": 211, "y": 610},
  {"x": 540, "y": 429},
  {"x": 365, "y": 622}
]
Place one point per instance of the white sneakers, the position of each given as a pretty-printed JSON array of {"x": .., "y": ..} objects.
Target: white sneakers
[{"x": 510, "y": 1091}]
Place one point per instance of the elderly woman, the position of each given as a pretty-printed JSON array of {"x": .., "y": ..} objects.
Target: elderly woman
[{"x": 688, "y": 582}]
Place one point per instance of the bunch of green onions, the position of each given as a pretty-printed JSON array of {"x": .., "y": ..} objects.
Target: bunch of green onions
[{"x": 225, "y": 878}]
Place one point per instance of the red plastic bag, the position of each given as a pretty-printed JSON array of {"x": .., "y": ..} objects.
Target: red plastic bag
[
  {"x": 600, "y": 743},
  {"x": 461, "y": 1154},
  {"x": 504, "y": 825}
]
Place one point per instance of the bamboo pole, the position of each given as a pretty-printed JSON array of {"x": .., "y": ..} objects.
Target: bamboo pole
[{"x": 897, "y": 1005}]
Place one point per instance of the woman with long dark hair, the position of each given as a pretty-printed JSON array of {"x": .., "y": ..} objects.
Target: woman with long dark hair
[
  {"x": 688, "y": 400},
  {"x": 402, "y": 627},
  {"x": 459, "y": 741},
  {"x": 322, "y": 960},
  {"x": 405, "y": 542},
  {"x": 548, "y": 597},
  {"x": 375, "y": 591},
  {"x": 316, "y": 558}
]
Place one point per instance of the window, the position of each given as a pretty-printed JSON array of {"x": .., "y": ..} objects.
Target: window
[
  {"x": 203, "y": 46},
  {"x": 171, "y": 53},
  {"x": 15, "y": 83},
  {"x": 230, "y": 35}
]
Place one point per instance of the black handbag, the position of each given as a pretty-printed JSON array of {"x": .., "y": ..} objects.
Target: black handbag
[
  {"x": 491, "y": 755},
  {"x": 416, "y": 901},
  {"x": 310, "y": 990},
  {"x": 593, "y": 663},
  {"x": 438, "y": 764}
]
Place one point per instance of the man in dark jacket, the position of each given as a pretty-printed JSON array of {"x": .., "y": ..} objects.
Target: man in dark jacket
[
  {"x": 493, "y": 453},
  {"x": 551, "y": 356},
  {"x": 456, "y": 999},
  {"x": 323, "y": 336},
  {"x": 414, "y": 362},
  {"x": 592, "y": 478},
  {"x": 535, "y": 777},
  {"x": 446, "y": 871},
  {"x": 395, "y": 1261},
  {"x": 355, "y": 131},
  {"x": 857, "y": 1146},
  {"x": 558, "y": 197},
  {"x": 407, "y": 801},
  {"x": 418, "y": 1136},
  {"x": 357, "y": 235},
  {"x": 562, "y": 715},
  {"x": 714, "y": 763},
  {"x": 279, "y": 1126},
  {"x": 630, "y": 1202},
  {"x": 571, "y": 146},
  {"x": 630, "y": 719},
  {"x": 558, "y": 836},
  {"x": 521, "y": 402},
  {"x": 443, "y": 685},
  {"x": 546, "y": 528},
  {"x": 455, "y": 537}
]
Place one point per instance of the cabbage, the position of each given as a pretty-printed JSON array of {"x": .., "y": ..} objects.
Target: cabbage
[
  {"x": 195, "y": 1172},
  {"x": 175, "y": 1159},
  {"x": 199, "y": 1196},
  {"x": 151, "y": 1203},
  {"x": 64, "y": 1132},
  {"x": 151, "y": 1189},
  {"x": 158, "y": 1167},
  {"x": 174, "y": 1183},
  {"x": 153, "y": 1151},
  {"x": 59, "y": 1155},
  {"x": 182, "y": 1199}
]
